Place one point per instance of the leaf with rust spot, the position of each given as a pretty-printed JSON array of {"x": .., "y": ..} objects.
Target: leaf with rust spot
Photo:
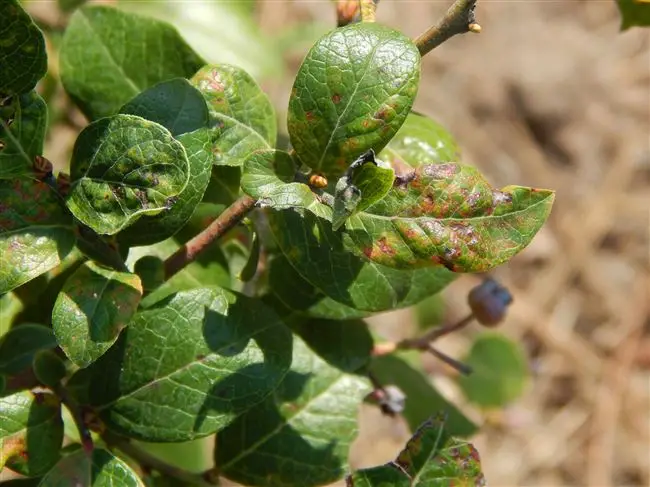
[
  {"x": 23, "y": 140},
  {"x": 31, "y": 432},
  {"x": 431, "y": 458},
  {"x": 91, "y": 310},
  {"x": 124, "y": 167},
  {"x": 352, "y": 93},
  {"x": 36, "y": 231},
  {"x": 242, "y": 119},
  {"x": 99, "y": 469}
]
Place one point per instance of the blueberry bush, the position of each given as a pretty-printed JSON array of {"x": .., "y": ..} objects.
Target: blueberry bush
[{"x": 201, "y": 275}]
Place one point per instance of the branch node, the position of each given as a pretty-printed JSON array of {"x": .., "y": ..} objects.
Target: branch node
[{"x": 459, "y": 19}]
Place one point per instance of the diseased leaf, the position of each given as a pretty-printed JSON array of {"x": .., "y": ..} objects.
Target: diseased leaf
[
  {"x": 99, "y": 469},
  {"x": 174, "y": 104},
  {"x": 500, "y": 371},
  {"x": 419, "y": 141},
  {"x": 148, "y": 230},
  {"x": 36, "y": 231},
  {"x": 23, "y": 139},
  {"x": 20, "y": 344},
  {"x": 109, "y": 56},
  {"x": 124, "y": 167},
  {"x": 189, "y": 365},
  {"x": 422, "y": 399},
  {"x": 93, "y": 307},
  {"x": 634, "y": 13},
  {"x": 300, "y": 296},
  {"x": 320, "y": 256},
  {"x": 302, "y": 433},
  {"x": 352, "y": 93},
  {"x": 22, "y": 51},
  {"x": 242, "y": 118},
  {"x": 31, "y": 432},
  {"x": 431, "y": 459}
]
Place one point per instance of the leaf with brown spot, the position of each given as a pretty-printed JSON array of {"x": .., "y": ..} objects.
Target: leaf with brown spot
[
  {"x": 431, "y": 459},
  {"x": 31, "y": 432}
]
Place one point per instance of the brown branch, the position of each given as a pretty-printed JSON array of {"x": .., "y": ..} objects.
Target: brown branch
[
  {"x": 224, "y": 222},
  {"x": 367, "y": 9},
  {"x": 459, "y": 19},
  {"x": 149, "y": 462}
]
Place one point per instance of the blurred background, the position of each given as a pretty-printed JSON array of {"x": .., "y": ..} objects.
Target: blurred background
[{"x": 551, "y": 94}]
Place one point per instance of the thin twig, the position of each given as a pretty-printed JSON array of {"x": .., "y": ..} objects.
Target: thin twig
[
  {"x": 367, "y": 8},
  {"x": 459, "y": 19},
  {"x": 423, "y": 342},
  {"x": 224, "y": 222},
  {"x": 452, "y": 362},
  {"x": 150, "y": 462}
]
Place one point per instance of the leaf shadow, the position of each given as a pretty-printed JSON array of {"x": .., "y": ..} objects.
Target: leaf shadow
[{"x": 261, "y": 444}]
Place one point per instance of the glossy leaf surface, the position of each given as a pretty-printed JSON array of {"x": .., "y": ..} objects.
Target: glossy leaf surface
[
  {"x": 36, "y": 231},
  {"x": 352, "y": 93},
  {"x": 148, "y": 230},
  {"x": 500, "y": 371},
  {"x": 22, "y": 51},
  {"x": 419, "y": 141},
  {"x": 422, "y": 398},
  {"x": 109, "y": 56},
  {"x": 23, "y": 139},
  {"x": 174, "y": 104},
  {"x": 124, "y": 167},
  {"x": 431, "y": 459},
  {"x": 99, "y": 469},
  {"x": 95, "y": 304},
  {"x": 21, "y": 343},
  {"x": 301, "y": 434},
  {"x": 31, "y": 432},
  {"x": 242, "y": 119},
  {"x": 189, "y": 365}
]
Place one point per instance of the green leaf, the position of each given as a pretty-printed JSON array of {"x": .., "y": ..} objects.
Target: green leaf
[
  {"x": 31, "y": 432},
  {"x": 99, "y": 469},
  {"x": 49, "y": 368},
  {"x": 23, "y": 140},
  {"x": 91, "y": 310},
  {"x": 320, "y": 256},
  {"x": 302, "y": 434},
  {"x": 108, "y": 57},
  {"x": 240, "y": 40},
  {"x": 151, "y": 229},
  {"x": 151, "y": 271},
  {"x": 431, "y": 459},
  {"x": 352, "y": 93},
  {"x": 268, "y": 176},
  {"x": 500, "y": 371},
  {"x": 300, "y": 296},
  {"x": 36, "y": 231},
  {"x": 188, "y": 366},
  {"x": 242, "y": 118},
  {"x": 419, "y": 141},
  {"x": 20, "y": 344},
  {"x": 634, "y": 13},
  {"x": 210, "y": 268},
  {"x": 174, "y": 104},
  {"x": 224, "y": 185},
  {"x": 250, "y": 268},
  {"x": 10, "y": 307},
  {"x": 124, "y": 167},
  {"x": 22, "y": 51},
  {"x": 422, "y": 399}
]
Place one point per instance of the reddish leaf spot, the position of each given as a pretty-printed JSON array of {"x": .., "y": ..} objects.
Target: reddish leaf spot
[
  {"x": 310, "y": 116},
  {"x": 336, "y": 99},
  {"x": 383, "y": 245},
  {"x": 440, "y": 171}
]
